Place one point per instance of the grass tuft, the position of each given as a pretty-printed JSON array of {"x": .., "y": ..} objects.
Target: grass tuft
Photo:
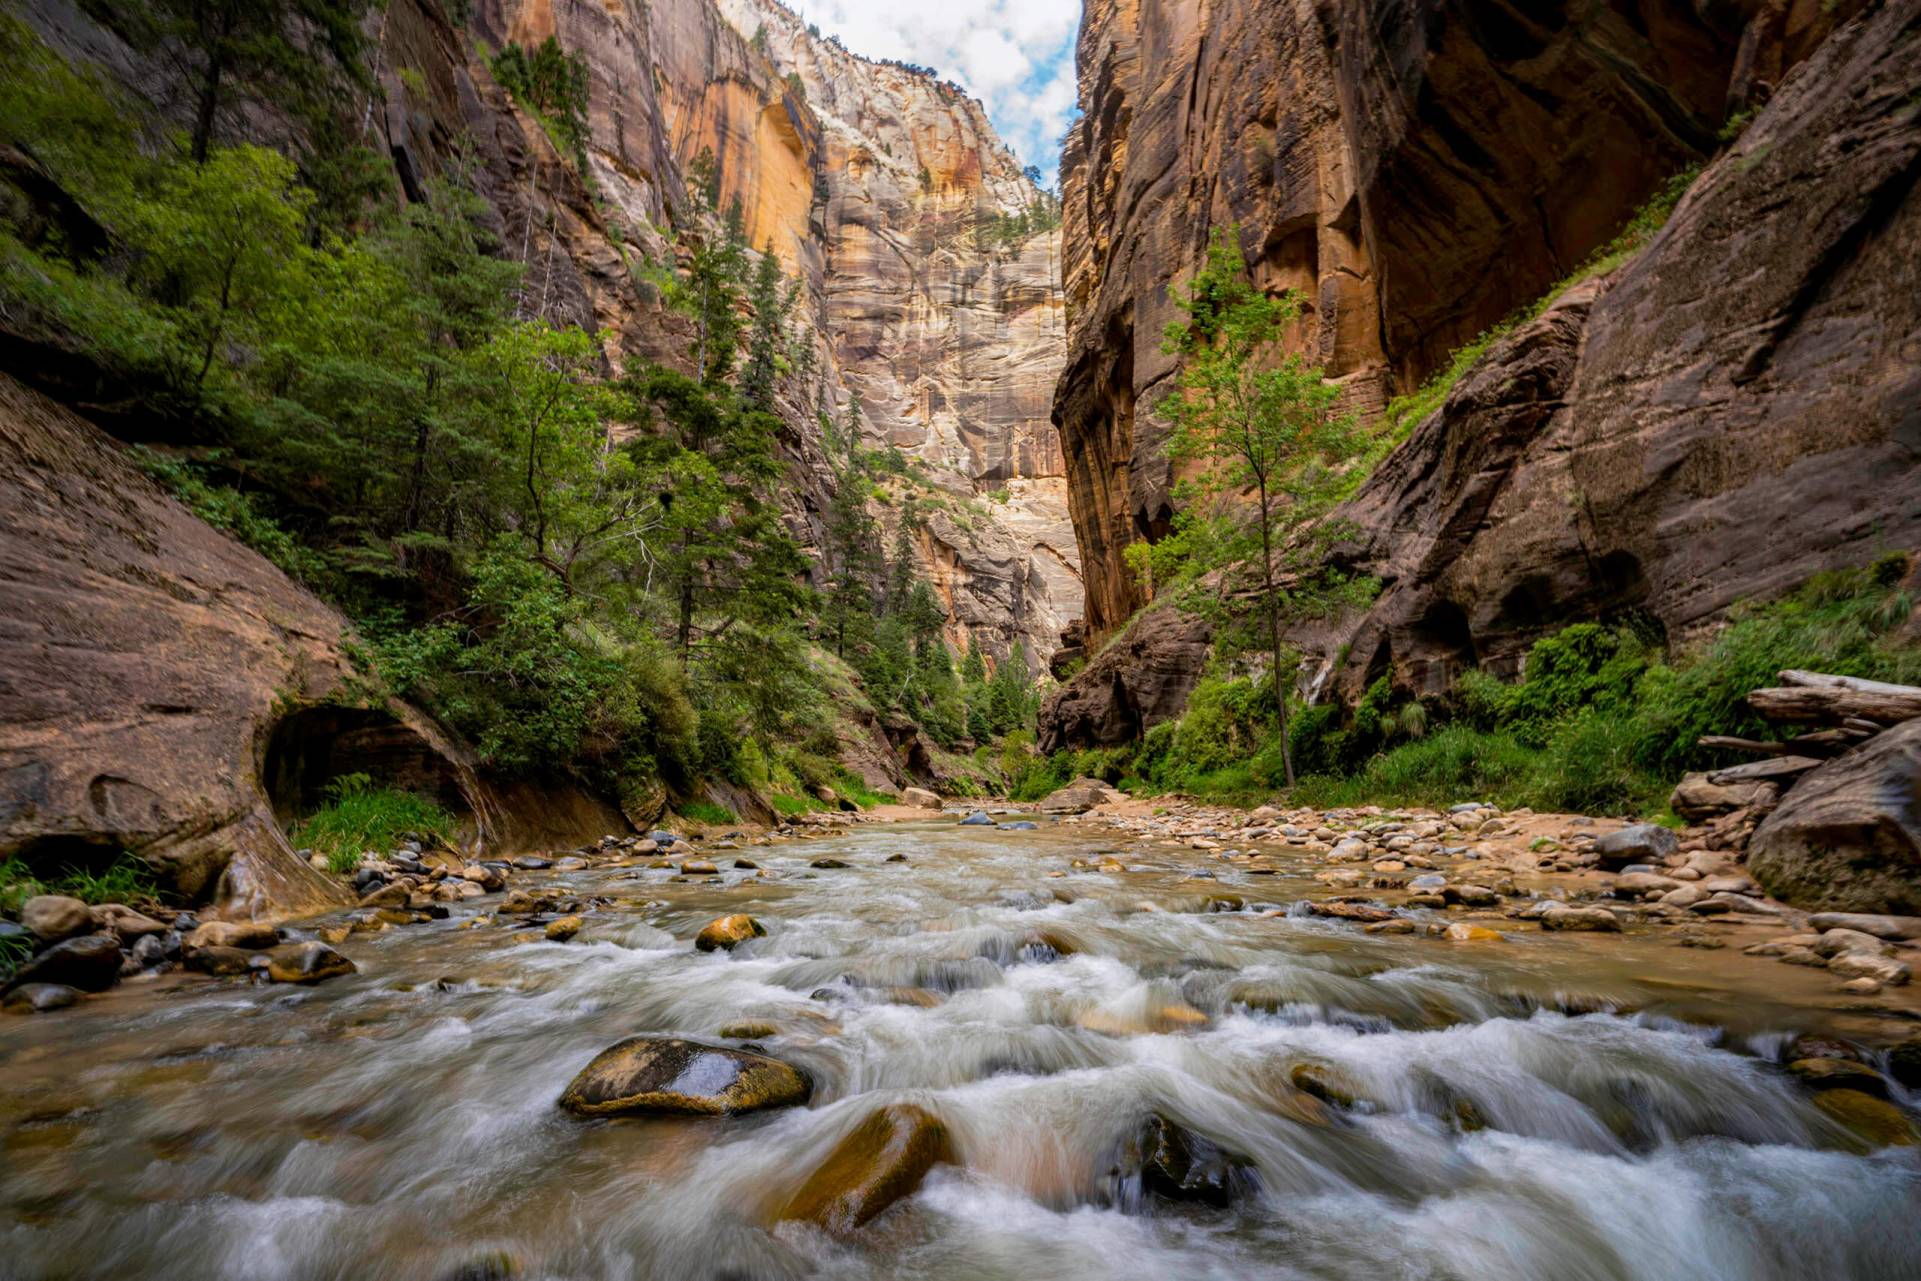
[{"x": 359, "y": 817}]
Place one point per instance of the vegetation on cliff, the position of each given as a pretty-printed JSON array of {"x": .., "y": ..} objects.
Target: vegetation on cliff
[
  {"x": 1604, "y": 720},
  {"x": 580, "y": 573}
]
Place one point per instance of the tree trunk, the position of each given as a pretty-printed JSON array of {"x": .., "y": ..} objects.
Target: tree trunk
[
  {"x": 209, "y": 104},
  {"x": 1274, "y": 634}
]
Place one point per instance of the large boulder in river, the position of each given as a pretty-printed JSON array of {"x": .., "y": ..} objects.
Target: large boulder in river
[
  {"x": 1079, "y": 796},
  {"x": 53, "y": 917},
  {"x": 1165, "y": 1160},
  {"x": 725, "y": 933},
  {"x": 881, "y": 1161},
  {"x": 1639, "y": 843},
  {"x": 1847, "y": 837},
  {"x": 669, "y": 1076}
]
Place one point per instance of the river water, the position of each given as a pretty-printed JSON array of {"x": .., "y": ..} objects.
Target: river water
[{"x": 1543, "y": 1107}]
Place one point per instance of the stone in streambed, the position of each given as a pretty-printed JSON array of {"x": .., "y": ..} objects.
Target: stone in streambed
[
  {"x": 670, "y": 1076},
  {"x": 1881, "y": 1123},
  {"x": 1462, "y": 932},
  {"x": 1641, "y": 843},
  {"x": 90, "y": 962},
  {"x": 40, "y": 998},
  {"x": 1593, "y": 919},
  {"x": 220, "y": 962},
  {"x": 236, "y": 934},
  {"x": 307, "y": 963},
  {"x": 565, "y": 928},
  {"x": 883, "y": 1160},
  {"x": 124, "y": 923},
  {"x": 919, "y": 798},
  {"x": 728, "y": 932},
  {"x": 979, "y": 818},
  {"x": 54, "y": 917},
  {"x": 830, "y": 864},
  {"x": 1838, "y": 1074},
  {"x": 1168, "y": 1161}
]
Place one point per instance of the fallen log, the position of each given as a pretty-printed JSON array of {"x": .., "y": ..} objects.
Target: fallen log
[
  {"x": 1753, "y": 747},
  {"x": 1821, "y": 680},
  {"x": 1777, "y": 770},
  {"x": 1838, "y": 704}
]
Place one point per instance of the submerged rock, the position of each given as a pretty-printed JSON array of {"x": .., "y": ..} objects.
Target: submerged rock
[
  {"x": 1168, "y": 1161},
  {"x": 979, "y": 818},
  {"x": 883, "y": 1160},
  {"x": 1878, "y": 1121},
  {"x": 670, "y": 1076},
  {"x": 39, "y": 998},
  {"x": 728, "y": 932}
]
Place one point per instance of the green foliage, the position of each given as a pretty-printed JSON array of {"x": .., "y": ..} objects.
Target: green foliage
[
  {"x": 553, "y": 85},
  {"x": 706, "y": 812},
  {"x": 359, "y": 816}
]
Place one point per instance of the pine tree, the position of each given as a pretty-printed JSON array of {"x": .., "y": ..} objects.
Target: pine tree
[{"x": 768, "y": 337}]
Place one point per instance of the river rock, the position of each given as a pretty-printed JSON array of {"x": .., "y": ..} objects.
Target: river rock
[
  {"x": 40, "y": 998},
  {"x": 727, "y": 932},
  {"x": 1697, "y": 798},
  {"x": 830, "y": 864},
  {"x": 1166, "y": 1160},
  {"x": 667, "y": 1075},
  {"x": 1838, "y": 1074},
  {"x": 1641, "y": 843},
  {"x": 1462, "y": 932},
  {"x": 1561, "y": 916},
  {"x": 1079, "y": 796},
  {"x": 563, "y": 929},
  {"x": 919, "y": 798},
  {"x": 979, "y": 818},
  {"x": 698, "y": 867},
  {"x": 53, "y": 917},
  {"x": 1847, "y": 838},
  {"x": 1835, "y": 942},
  {"x": 220, "y": 962},
  {"x": 1364, "y": 912},
  {"x": 883, "y": 1160},
  {"x": 235, "y": 934},
  {"x": 90, "y": 962},
  {"x": 1882, "y": 969},
  {"x": 1878, "y": 1121},
  {"x": 150, "y": 950},
  {"x": 307, "y": 963},
  {"x": 1884, "y": 927},
  {"x": 124, "y": 923}
]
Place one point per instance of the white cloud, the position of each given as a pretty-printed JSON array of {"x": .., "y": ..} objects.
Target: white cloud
[{"x": 1017, "y": 56}]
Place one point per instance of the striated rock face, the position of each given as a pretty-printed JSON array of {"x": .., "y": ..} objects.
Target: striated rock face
[
  {"x": 1730, "y": 412},
  {"x": 1143, "y": 678},
  {"x": 166, "y": 691},
  {"x": 1417, "y": 172},
  {"x": 1847, "y": 838},
  {"x": 871, "y": 182}
]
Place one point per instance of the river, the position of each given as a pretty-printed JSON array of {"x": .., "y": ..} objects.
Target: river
[{"x": 1556, "y": 1107}]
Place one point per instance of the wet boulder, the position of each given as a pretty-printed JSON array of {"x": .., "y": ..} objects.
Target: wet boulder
[
  {"x": 726, "y": 933},
  {"x": 1847, "y": 837},
  {"x": 883, "y": 1160},
  {"x": 220, "y": 962},
  {"x": 245, "y": 935},
  {"x": 1640, "y": 843},
  {"x": 90, "y": 962},
  {"x": 674, "y": 1077},
  {"x": 979, "y": 818},
  {"x": 1164, "y": 1160},
  {"x": 307, "y": 963},
  {"x": 1877, "y": 1121},
  {"x": 53, "y": 917},
  {"x": 564, "y": 928},
  {"x": 40, "y": 998},
  {"x": 1079, "y": 796}
]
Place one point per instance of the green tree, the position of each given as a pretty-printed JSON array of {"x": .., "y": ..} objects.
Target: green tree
[
  {"x": 767, "y": 339},
  {"x": 1252, "y": 423}
]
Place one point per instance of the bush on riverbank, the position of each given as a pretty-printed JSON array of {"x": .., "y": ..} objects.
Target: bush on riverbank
[
  {"x": 1603, "y": 722},
  {"x": 359, "y": 816}
]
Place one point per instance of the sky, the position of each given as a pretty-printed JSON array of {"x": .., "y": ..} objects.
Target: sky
[{"x": 1016, "y": 56}]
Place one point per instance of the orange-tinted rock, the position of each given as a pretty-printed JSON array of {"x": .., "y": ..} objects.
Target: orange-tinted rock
[
  {"x": 880, "y": 1162},
  {"x": 670, "y": 1076}
]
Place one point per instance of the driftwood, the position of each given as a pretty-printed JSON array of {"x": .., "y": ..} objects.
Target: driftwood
[
  {"x": 1753, "y": 747},
  {"x": 1811, "y": 698}
]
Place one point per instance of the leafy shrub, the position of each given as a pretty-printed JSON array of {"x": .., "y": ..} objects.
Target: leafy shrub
[
  {"x": 706, "y": 812},
  {"x": 359, "y": 817}
]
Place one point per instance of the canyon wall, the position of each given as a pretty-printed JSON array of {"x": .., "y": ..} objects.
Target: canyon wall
[
  {"x": 1727, "y": 413},
  {"x": 871, "y": 181},
  {"x": 1416, "y": 171}
]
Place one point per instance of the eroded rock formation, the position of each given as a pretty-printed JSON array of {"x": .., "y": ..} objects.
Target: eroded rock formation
[{"x": 1729, "y": 412}]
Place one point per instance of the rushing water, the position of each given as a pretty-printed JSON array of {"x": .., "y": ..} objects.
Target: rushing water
[{"x": 401, "y": 1122}]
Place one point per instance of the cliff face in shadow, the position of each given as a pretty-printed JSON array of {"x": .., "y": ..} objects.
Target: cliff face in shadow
[{"x": 1729, "y": 412}]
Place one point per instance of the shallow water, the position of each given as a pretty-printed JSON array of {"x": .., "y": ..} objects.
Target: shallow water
[{"x": 1545, "y": 1107}]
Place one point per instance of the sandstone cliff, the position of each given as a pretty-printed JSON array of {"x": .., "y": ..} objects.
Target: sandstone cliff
[
  {"x": 1729, "y": 412},
  {"x": 872, "y": 182}
]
